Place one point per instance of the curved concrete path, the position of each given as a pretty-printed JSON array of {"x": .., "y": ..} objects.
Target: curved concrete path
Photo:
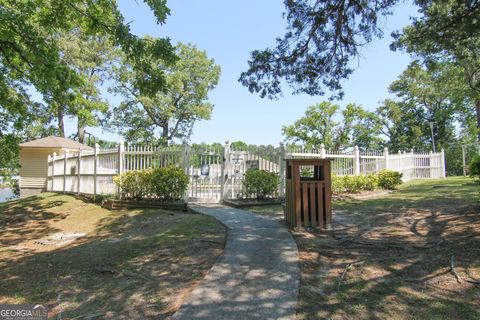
[{"x": 257, "y": 276}]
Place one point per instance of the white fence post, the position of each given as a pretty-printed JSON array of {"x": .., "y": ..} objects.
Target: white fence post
[
  {"x": 49, "y": 172},
  {"x": 95, "y": 166},
  {"x": 78, "y": 169},
  {"x": 442, "y": 162},
  {"x": 186, "y": 166},
  {"x": 385, "y": 154},
  {"x": 281, "y": 192},
  {"x": 225, "y": 170},
  {"x": 65, "y": 156},
  {"x": 430, "y": 160},
  {"x": 323, "y": 152},
  {"x": 356, "y": 164},
  {"x": 54, "y": 157},
  {"x": 400, "y": 161},
  {"x": 121, "y": 150}
]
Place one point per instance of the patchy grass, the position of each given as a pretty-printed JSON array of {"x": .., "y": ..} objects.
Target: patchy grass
[
  {"x": 391, "y": 257},
  {"x": 135, "y": 264}
]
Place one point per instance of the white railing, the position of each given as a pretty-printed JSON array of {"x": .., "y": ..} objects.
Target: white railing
[
  {"x": 92, "y": 172},
  {"x": 412, "y": 165},
  {"x": 216, "y": 174}
]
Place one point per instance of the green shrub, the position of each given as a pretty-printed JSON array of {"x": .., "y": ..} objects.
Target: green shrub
[
  {"x": 338, "y": 185},
  {"x": 260, "y": 183},
  {"x": 474, "y": 167},
  {"x": 353, "y": 184},
  {"x": 167, "y": 183},
  {"x": 386, "y": 179},
  {"x": 371, "y": 182},
  {"x": 132, "y": 184},
  {"x": 389, "y": 179}
]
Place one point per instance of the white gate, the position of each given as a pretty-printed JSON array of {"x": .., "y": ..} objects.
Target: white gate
[
  {"x": 205, "y": 170},
  {"x": 237, "y": 162}
]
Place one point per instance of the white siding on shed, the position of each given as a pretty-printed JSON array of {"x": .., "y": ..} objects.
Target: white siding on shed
[{"x": 33, "y": 166}]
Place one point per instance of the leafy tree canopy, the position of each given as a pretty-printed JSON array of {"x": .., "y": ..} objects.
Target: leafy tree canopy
[
  {"x": 337, "y": 129},
  {"x": 324, "y": 36},
  {"x": 34, "y": 54},
  {"x": 174, "y": 111}
]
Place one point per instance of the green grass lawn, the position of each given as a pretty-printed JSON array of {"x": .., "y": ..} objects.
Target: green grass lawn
[
  {"x": 420, "y": 193},
  {"x": 135, "y": 264},
  {"x": 390, "y": 257}
]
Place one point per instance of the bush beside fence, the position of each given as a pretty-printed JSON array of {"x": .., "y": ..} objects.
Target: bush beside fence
[
  {"x": 386, "y": 179},
  {"x": 167, "y": 183}
]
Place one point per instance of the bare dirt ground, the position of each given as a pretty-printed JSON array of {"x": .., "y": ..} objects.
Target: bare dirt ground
[
  {"x": 86, "y": 262},
  {"x": 412, "y": 254}
]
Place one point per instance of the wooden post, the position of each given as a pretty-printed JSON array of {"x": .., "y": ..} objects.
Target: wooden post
[
  {"x": 297, "y": 197},
  {"x": 95, "y": 168},
  {"x": 356, "y": 164},
  {"x": 281, "y": 160},
  {"x": 385, "y": 154},
  {"x": 328, "y": 195},
  {"x": 442, "y": 162},
  {"x": 464, "y": 165},
  {"x": 65, "y": 156}
]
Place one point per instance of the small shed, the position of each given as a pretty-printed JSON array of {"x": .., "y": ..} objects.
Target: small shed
[{"x": 34, "y": 157}]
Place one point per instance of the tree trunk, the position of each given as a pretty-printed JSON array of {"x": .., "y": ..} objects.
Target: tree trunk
[
  {"x": 165, "y": 134},
  {"x": 81, "y": 130},
  {"x": 61, "y": 125},
  {"x": 477, "y": 104}
]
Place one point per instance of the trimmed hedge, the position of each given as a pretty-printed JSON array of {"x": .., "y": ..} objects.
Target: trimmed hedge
[
  {"x": 167, "y": 183},
  {"x": 386, "y": 179},
  {"x": 260, "y": 183}
]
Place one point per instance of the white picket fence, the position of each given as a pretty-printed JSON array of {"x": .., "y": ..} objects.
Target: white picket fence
[
  {"x": 413, "y": 165},
  {"x": 217, "y": 174}
]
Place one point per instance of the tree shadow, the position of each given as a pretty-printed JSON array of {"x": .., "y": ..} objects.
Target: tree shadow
[
  {"x": 380, "y": 265},
  {"x": 137, "y": 265},
  {"x": 28, "y": 218}
]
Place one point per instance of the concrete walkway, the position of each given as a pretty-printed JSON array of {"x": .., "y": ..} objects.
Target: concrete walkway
[{"x": 257, "y": 277}]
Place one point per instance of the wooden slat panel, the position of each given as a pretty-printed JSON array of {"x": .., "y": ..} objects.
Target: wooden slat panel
[
  {"x": 306, "y": 220},
  {"x": 313, "y": 207},
  {"x": 288, "y": 203},
  {"x": 320, "y": 204},
  {"x": 296, "y": 181},
  {"x": 328, "y": 194}
]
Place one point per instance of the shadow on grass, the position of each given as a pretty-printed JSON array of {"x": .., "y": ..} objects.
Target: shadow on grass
[
  {"x": 133, "y": 268},
  {"x": 16, "y": 214},
  {"x": 395, "y": 256}
]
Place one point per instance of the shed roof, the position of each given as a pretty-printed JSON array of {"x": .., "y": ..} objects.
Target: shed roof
[{"x": 55, "y": 142}]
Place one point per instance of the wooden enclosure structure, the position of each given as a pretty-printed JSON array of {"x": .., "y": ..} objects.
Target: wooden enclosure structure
[{"x": 308, "y": 193}]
